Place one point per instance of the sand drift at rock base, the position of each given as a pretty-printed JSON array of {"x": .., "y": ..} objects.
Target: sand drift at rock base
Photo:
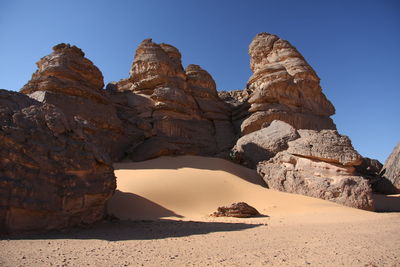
[{"x": 192, "y": 187}]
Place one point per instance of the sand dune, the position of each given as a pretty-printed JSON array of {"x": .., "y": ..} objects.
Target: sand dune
[
  {"x": 180, "y": 192},
  {"x": 192, "y": 187}
]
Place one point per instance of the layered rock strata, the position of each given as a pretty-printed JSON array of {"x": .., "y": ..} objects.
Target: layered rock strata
[
  {"x": 319, "y": 164},
  {"x": 180, "y": 110},
  {"x": 50, "y": 177},
  {"x": 57, "y": 145},
  {"x": 72, "y": 83},
  {"x": 283, "y": 87}
]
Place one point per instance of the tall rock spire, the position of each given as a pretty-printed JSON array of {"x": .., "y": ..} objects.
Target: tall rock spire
[{"x": 285, "y": 87}]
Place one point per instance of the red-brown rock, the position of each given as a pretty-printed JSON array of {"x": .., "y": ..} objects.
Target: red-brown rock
[
  {"x": 72, "y": 83},
  {"x": 50, "y": 178},
  {"x": 239, "y": 210},
  {"x": 284, "y": 87},
  {"x": 181, "y": 107}
]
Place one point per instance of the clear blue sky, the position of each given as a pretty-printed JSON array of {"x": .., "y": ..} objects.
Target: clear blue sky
[{"x": 353, "y": 45}]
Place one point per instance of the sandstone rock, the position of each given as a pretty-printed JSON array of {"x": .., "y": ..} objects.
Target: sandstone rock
[
  {"x": 370, "y": 169},
  {"x": 200, "y": 82},
  {"x": 319, "y": 164},
  {"x": 284, "y": 87},
  {"x": 298, "y": 120},
  {"x": 325, "y": 145},
  {"x": 391, "y": 168},
  {"x": 179, "y": 109},
  {"x": 156, "y": 65},
  {"x": 67, "y": 71},
  {"x": 50, "y": 178},
  {"x": 72, "y": 83},
  {"x": 239, "y": 210},
  {"x": 239, "y": 107},
  {"x": 314, "y": 178},
  {"x": 236, "y": 97},
  {"x": 203, "y": 88},
  {"x": 265, "y": 143}
]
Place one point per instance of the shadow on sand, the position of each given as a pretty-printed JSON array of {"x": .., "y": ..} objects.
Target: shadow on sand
[
  {"x": 126, "y": 206},
  {"x": 115, "y": 230}
]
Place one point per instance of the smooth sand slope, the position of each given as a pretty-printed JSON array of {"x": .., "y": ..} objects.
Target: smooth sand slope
[
  {"x": 192, "y": 187},
  {"x": 164, "y": 203}
]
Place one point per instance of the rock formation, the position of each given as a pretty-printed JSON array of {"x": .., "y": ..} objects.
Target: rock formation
[
  {"x": 179, "y": 110},
  {"x": 72, "y": 83},
  {"x": 319, "y": 164},
  {"x": 238, "y": 210},
  {"x": 265, "y": 143},
  {"x": 391, "y": 168},
  {"x": 284, "y": 87},
  {"x": 50, "y": 177},
  {"x": 58, "y": 141}
]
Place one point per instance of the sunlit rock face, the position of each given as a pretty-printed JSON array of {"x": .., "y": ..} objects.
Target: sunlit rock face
[
  {"x": 60, "y": 135},
  {"x": 67, "y": 71},
  {"x": 179, "y": 109},
  {"x": 284, "y": 87},
  {"x": 71, "y": 82},
  {"x": 319, "y": 164}
]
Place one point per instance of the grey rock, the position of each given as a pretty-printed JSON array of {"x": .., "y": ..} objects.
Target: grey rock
[{"x": 265, "y": 143}]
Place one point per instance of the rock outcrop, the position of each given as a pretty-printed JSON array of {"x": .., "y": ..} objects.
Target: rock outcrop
[
  {"x": 284, "y": 87},
  {"x": 68, "y": 72},
  {"x": 72, "y": 83},
  {"x": 238, "y": 210},
  {"x": 50, "y": 177},
  {"x": 179, "y": 110},
  {"x": 391, "y": 168},
  {"x": 319, "y": 164},
  {"x": 265, "y": 143},
  {"x": 58, "y": 141}
]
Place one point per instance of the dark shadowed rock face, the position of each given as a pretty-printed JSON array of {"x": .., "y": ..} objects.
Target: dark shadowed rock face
[
  {"x": 50, "y": 177},
  {"x": 239, "y": 210},
  {"x": 391, "y": 168},
  {"x": 319, "y": 164}
]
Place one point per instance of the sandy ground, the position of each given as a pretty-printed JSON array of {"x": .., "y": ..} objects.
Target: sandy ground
[{"x": 163, "y": 207}]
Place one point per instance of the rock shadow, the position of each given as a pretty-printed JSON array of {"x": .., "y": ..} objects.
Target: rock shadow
[
  {"x": 127, "y": 206},
  {"x": 138, "y": 230},
  {"x": 196, "y": 162},
  {"x": 386, "y": 203}
]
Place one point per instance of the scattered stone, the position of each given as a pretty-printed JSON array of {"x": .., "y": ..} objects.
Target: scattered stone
[{"x": 239, "y": 210}]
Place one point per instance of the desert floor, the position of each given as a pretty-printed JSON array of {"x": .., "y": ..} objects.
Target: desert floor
[{"x": 162, "y": 206}]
